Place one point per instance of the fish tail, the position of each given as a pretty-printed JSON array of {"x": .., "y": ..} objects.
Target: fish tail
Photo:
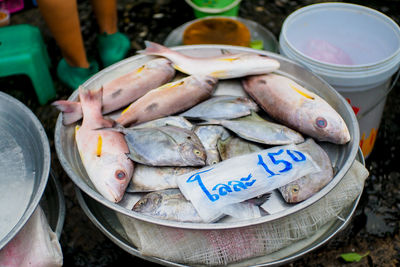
[
  {"x": 154, "y": 49},
  {"x": 71, "y": 110},
  {"x": 91, "y": 102},
  {"x": 94, "y": 97}
]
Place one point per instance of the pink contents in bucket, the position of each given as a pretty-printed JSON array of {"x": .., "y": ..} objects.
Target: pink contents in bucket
[{"x": 326, "y": 52}]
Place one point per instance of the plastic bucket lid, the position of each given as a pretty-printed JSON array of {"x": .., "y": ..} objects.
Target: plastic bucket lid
[{"x": 346, "y": 44}]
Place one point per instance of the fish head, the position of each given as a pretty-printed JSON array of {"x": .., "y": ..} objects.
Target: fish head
[
  {"x": 206, "y": 82},
  {"x": 193, "y": 153},
  {"x": 148, "y": 203},
  {"x": 111, "y": 175},
  {"x": 262, "y": 64},
  {"x": 156, "y": 63},
  {"x": 328, "y": 125},
  {"x": 297, "y": 190}
]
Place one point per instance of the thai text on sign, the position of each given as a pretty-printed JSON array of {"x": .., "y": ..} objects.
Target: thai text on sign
[{"x": 244, "y": 177}]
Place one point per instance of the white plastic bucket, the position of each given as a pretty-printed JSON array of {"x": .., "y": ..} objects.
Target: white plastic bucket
[{"x": 354, "y": 48}]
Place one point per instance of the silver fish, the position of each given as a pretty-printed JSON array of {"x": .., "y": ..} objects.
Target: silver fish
[
  {"x": 308, "y": 185},
  {"x": 148, "y": 178},
  {"x": 164, "y": 146},
  {"x": 167, "y": 204},
  {"x": 209, "y": 136},
  {"x": 298, "y": 108},
  {"x": 256, "y": 129},
  {"x": 222, "y": 67},
  {"x": 222, "y": 107},
  {"x": 235, "y": 146},
  {"x": 177, "y": 121}
]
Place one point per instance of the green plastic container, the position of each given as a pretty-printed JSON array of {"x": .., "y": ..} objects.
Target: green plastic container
[{"x": 205, "y": 8}]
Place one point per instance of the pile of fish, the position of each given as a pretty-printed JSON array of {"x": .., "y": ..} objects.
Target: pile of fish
[{"x": 171, "y": 128}]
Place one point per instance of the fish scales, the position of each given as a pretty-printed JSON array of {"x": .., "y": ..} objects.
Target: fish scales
[
  {"x": 167, "y": 204},
  {"x": 256, "y": 129},
  {"x": 164, "y": 146},
  {"x": 148, "y": 178},
  {"x": 168, "y": 99},
  {"x": 222, "y": 67},
  {"x": 222, "y": 107},
  {"x": 123, "y": 90},
  {"x": 295, "y": 106}
]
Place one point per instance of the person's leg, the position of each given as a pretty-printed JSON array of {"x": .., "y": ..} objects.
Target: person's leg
[
  {"x": 62, "y": 18},
  {"x": 113, "y": 45},
  {"x": 106, "y": 15}
]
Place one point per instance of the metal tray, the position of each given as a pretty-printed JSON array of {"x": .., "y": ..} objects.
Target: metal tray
[
  {"x": 342, "y": 156},
  {"x": 24, "y": 165},
  {"x": 107, "y": 222},
  {"x": 257, "y": 32},
  {"x": 53, "y": 204}
]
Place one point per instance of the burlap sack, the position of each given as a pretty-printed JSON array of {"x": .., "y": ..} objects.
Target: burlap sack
[{"x": 221, "y": 247}]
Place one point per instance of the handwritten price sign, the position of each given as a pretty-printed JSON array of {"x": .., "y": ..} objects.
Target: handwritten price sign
[{"x": 244, "y": 177}]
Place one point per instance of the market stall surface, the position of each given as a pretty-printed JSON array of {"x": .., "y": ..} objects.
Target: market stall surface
[{"x": 374, "y": 229}]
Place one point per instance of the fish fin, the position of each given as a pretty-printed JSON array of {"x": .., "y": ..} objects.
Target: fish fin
[
  {"x": 153, "y": 49},
  {"x": 77, "y": 128},
  {"x": 99, "y": 145},
  {"x": 126, "y": 109},
  {"x": 171, "y": 85},
  {"x": 229, "y": 59},
  {"x": 225, "y": 52},
  {"x": 179, "y": 69},
  {"x": 71, "y": 111},
  {"x": 218, "y": 73},
  {"x": 301, "y": 92}
]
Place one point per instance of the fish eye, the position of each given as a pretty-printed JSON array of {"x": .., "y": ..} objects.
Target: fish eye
[
  {"x": 210, "y": 82},
  {"x": 214, "y": 162},
  {"x": 295, "y": 189},
  {"x": 321, "y": 122},
  {"x": 197, "y": 152},
  {"x": 262, "y": 81},
  {"x": 120, "y": 175}
]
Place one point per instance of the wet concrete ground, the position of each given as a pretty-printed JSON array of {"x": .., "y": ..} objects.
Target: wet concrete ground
[{"x": 375, "y": 225}]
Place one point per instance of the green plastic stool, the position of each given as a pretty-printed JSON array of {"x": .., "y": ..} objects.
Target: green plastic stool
[{"x": 22, "y": 51}]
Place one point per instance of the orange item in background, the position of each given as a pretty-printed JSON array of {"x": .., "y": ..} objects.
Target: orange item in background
[
  {"x": 4, "y": 17},
  {"x": 217, "y": 31}
]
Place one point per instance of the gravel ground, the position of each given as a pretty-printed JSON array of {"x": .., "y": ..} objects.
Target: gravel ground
[{"x": 374, "y": 228}]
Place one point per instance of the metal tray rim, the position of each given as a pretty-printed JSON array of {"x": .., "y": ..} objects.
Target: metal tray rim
[
  {"x": 46, "y": 167},
  {"x": 94, "y": 194}
]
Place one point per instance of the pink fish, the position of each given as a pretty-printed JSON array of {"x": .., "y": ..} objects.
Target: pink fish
[
  {"x": 222, "y": 67},
  {"x": 296, "y": 107},
  {"x": 169, "y": 99},
  {"x": 123, "y": 90},
  {"x": 103, "y": 152}
]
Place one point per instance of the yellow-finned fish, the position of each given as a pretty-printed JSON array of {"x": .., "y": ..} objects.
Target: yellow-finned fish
[
  {"x": 296, "y": 107},
  {"x": 222, "y": 67},
  {"x": 169, "y": 99},
  {"x": 103, "y": 152},
  {"x": 123, "y": 90}
]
